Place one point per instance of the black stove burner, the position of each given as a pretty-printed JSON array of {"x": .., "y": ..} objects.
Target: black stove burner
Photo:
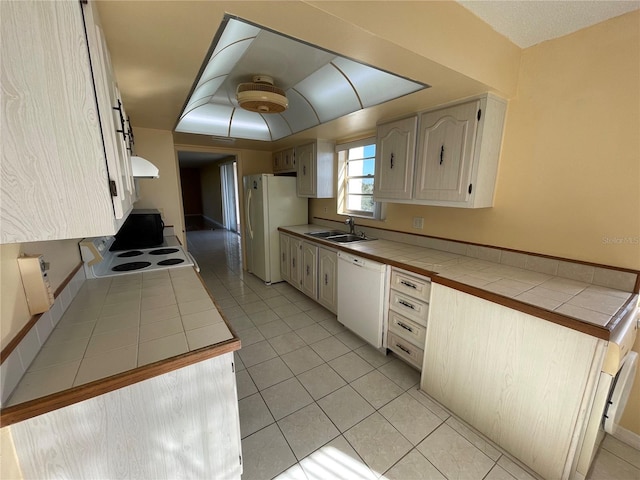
[
  {"x": 125, "y": 267},
  {"x": 132, "y": 253},
  {"x": 163, "y": 251},
  {"x": 171, "y": 261}
]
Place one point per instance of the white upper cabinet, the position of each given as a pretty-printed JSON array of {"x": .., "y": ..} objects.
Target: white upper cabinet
[
  {"x": 284, "y": 161},
  {"x": 315, "y": 169},
  {"x": 116, "y": 130},
  {"x": 55, "y": 179},
  {"x": 446, "y": 153},
  {"x": 395, "y": 156},
  {"x": 456, "y": 164}
]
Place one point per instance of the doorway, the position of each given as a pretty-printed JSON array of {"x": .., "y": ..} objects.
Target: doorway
[
  {"x": 230, "y": 204},
  {"x": 209, "y": 190}
]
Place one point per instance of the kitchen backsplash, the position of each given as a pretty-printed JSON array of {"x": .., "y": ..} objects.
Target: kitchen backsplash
[{"x": 18, "y": 361}]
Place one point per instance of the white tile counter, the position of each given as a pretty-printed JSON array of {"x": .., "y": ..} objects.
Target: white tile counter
[
  {"x": 118, "y": 324},
  {"x": 591, "y": 294}
]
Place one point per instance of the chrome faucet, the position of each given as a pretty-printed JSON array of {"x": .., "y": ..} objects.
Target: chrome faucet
[{"x": 352, "y": 225}]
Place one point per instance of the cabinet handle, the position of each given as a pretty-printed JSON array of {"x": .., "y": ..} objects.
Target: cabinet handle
[
  {"x": 122, "y": 127},
  {"x": 283, "y": 257},
  {"x": 293, "y": 262},
  {"x": 304, "y": 169},
  {"x": 326, "y": 279},
  {"x": 405, "y": 350},
  {"x": 307, "y": 270},
  {"x": 408, "y": 284},
  {"x": 441, "y": 154},
  {"x": 406, "y": 327},
  {"x": 406, "y": 304},
  {"x": 392, "y": 158}
]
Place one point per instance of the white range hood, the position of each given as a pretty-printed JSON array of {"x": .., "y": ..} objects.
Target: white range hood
[{"x": 143, "y": 168}]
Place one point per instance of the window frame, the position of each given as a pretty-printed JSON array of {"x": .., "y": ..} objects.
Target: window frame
[{"x": 342, "y": 151}]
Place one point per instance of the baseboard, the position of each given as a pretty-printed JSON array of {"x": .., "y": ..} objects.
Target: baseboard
[
  {"x": 627, "y": 436},
  {"x": 214, "y": 222}
]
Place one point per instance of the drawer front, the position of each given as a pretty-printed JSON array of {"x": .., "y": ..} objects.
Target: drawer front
[
  {"x": 416, "y": 310},
  {"x": 405, "y": 350},
  {"x": 407, "y": 329},
  {"x": 416, "y": 286}
]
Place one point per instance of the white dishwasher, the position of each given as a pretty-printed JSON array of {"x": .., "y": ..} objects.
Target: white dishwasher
[{"x": 363, "y": 296}]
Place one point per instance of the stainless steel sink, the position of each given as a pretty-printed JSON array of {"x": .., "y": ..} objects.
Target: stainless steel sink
[
  {"x": 328, "y": 233},
  {"x": 338, "y": 236}
]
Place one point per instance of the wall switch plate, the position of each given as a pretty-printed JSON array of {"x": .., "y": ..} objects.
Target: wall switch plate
[{"x": 418, "y": 223}]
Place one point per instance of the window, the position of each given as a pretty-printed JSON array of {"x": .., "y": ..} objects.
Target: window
[{"x": 356, "y": 161}]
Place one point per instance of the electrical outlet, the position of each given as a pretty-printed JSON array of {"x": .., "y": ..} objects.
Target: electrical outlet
[
  {"x": 325, "y": 209},
  {"x": 418, "y": 223}
]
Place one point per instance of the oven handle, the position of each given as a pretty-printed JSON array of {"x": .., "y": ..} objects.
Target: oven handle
[{"x": 195, "y": 264}]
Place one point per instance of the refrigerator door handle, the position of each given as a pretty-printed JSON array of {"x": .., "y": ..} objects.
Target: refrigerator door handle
[{"x": 248, "y": 214}]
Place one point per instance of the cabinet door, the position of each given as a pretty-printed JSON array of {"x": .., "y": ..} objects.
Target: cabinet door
[
  {"x": 113, "y": 118},
  {"x": 54, "y": 178},
  {"x": 395, "y": 156},
  {"x": 309, "y": 273},
  {"x": 277, "y": 162},
  {"x": 296, "y": 262},
  {"x": 328, "y": 279},
  {"x": 288, "y": 159},
  {"x": 305, "y": 158},
  {"x": 285, "y": 257},
  {"x": 445, "y": 153}
]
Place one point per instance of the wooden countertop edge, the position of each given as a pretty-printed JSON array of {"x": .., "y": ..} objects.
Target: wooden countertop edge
[
  {"x": 597, "y": 331},
  {"x": 48, "y": 403},
  {"x": 38, "y": 406}
]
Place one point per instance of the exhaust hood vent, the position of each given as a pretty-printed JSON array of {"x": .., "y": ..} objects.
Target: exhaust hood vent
[{"x": 143, "y": 168}]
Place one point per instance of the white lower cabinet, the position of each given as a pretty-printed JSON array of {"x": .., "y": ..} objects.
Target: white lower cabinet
[
  {"x": 311, "y": 269},
  {"x": 309, "y": 275},
  {"x": 408, "y": 312},
  {"x": 328, "y": 278},
  {"x": 522, "y": 381},
  {"x": 125, "y": 433}
]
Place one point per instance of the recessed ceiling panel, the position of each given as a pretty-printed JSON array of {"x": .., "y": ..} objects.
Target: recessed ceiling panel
[
  {"x": 207, "y": 119},
  {"x": 246, "y": 124},
  {"x": 319, "y": 84},
  {"x": 299, "y": 115},
  {"x": 278, "y": 126},
  {"x": 374, "y": 86},
  {"x": 224, "y": 61},
  {"x": 330, "y": 93},
  {"x": 206, "y": 90}
]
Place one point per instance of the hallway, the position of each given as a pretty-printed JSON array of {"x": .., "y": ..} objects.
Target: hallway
[{"x": 317, "y": 403}]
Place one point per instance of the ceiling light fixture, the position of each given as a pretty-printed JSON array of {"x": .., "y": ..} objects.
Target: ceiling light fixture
[{"x": 261, "y": 96}]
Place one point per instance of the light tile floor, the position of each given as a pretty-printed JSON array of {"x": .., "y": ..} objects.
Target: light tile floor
[{"x": 317, "y": 403}]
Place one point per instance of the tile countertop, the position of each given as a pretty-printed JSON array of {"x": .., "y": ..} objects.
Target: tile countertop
[
  {"x": 586, "y": 302},
  {"x": 118, "y": 324}
]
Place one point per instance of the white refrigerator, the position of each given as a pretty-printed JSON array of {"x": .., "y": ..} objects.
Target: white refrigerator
[{"x": 270, "y": 202}]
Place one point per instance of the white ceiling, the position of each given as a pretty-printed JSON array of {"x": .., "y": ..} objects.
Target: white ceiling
[{"x": 528, "y": 23}]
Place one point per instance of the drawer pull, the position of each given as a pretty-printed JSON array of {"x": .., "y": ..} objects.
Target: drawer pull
[
  {"x": 406, "y": 304},
  {"x": 406, "y": 327},
  {"x": 408, "y": 284},
  {"x": 405, "y": 350}
]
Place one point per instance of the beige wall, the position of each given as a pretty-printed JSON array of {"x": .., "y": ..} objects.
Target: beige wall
[
  {"x": 570, "y": 165},
  {"x": 162, "y": 193},
  {"x": 63, "y": 257}
]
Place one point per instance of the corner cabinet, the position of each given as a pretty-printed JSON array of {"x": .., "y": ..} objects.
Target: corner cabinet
[
  {"x": 457, "y": 153},
  {"x": 395, "y": 157},
  {"x": 315, "y": 169},
  {"x": 56, "y": 181}
]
